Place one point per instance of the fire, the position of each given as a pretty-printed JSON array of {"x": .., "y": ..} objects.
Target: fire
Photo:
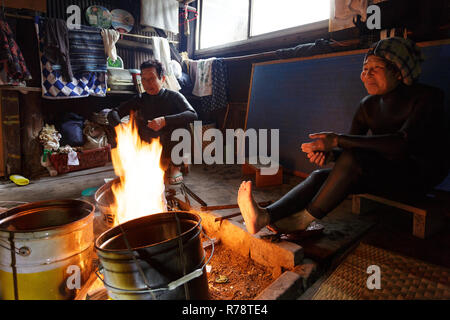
[{"x": 137, "y": 163}]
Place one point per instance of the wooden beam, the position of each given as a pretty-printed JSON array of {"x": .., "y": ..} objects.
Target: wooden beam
[
  {"x": 36, "y": 5},
  {"x": 11, "y": 131},
  {"x": 2, "y": 159},
  {"x": 135, "y": 45}
]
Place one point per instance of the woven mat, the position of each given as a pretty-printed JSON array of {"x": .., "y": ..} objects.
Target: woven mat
[{"x": 401, "y": 278}]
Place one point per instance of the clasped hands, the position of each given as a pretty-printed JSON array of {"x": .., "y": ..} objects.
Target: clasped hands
[
  {"x": 157, "y": 123},
  {"x": 319, "y": 150}
]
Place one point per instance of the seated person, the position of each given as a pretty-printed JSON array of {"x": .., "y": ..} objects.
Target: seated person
[
  {"x": 407, "y": 151},
  {"x": 158, "y": 113}
]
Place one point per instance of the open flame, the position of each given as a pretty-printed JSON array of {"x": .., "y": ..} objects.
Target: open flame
[{"x": 137, "y": 163}]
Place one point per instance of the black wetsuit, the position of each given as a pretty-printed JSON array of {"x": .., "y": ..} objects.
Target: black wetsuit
[
  {"x": 169, "y": 104},
  {"x": 407, "y": 153}
]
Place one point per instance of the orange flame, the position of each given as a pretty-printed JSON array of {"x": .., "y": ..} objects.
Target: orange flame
[{"x": 137, "y": 163}]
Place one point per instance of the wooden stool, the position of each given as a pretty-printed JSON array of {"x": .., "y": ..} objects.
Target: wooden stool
[
  {"x": 427, "y": 213},
  {"x": 262, "y": 180}
]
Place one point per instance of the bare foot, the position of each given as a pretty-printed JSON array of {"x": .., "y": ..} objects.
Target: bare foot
[{"x": 255, "y": 217}]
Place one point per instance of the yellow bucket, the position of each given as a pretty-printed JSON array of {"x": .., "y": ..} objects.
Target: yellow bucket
[{"x": 46, "y": 250}]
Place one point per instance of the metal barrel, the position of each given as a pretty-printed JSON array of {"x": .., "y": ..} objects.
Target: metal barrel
[
  {"x": 104, "y": 198},
  {"x": 164, "y": 248},
  {"x": 46, "y": 249}
]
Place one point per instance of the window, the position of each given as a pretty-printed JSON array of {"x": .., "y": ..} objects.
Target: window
[
  {"x": 268, "y": 15},
  {"x": 224, "y": 22}
]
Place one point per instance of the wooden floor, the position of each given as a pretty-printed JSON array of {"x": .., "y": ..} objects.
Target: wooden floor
[{"x": 387, "y": 228}]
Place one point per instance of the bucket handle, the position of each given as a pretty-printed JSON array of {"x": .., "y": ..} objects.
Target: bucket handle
[
  {"x": 171, "y": 285},
  {"x": 23, "y": 251}
]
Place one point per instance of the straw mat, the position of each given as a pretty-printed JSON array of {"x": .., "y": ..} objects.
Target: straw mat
[{"x": 401, "y": 278}]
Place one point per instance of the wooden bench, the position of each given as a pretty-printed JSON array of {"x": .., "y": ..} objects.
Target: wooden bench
[
  {"x": 262, "y": 180},
  {"x": 428, "y": 213}
]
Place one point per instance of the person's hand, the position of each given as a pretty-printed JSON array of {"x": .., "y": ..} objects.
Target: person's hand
[
  {"x": 319, "y": 158},
  {"x": 325, "y": 142},
  {"x": 157, "y": 123}
]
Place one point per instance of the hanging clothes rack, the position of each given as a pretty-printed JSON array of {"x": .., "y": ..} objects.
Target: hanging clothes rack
[{"x": 122, "y": 34}]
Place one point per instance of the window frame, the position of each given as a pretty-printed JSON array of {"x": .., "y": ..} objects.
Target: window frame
[{"x": 256, "y": 42}]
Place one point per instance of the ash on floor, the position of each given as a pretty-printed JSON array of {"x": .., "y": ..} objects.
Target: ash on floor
[{"x": 234, "y": 277}]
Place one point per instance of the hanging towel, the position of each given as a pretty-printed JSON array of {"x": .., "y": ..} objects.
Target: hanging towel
[
  {"x": 87, "y": 52},
  {"x": 10, "y": 56},
  {"x": 110, "y": 38},
  {"x": 161, "y": 53},
  {"x": 203, "y": 78},
  {"x": 56, "y": 46},
  {"x": 162, "y": 14}
]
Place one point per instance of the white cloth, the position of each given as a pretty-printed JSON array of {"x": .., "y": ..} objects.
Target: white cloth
[
  {"x": 161, "y": 53},
  {"x": 176, "y": 69},
  {"x": 347, "y": 9},
  {"x": 162, "y": 14},
  {"x": 72, "y": 159},
  {"x": 110, "y": 38},
  {"x": 201, "y": 76}
]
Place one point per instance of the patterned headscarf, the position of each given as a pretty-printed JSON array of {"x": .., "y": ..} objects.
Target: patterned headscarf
[{"x": 402, "y": 53}]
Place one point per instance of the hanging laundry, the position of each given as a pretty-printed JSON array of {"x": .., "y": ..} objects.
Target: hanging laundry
[
  {"x": 219, "y": 83},
  {"x": 83, "y": 83},
  {"x": 87, "y": 52},
  {"x": 56, "y": 46},
  {"x": 200, "y": 72},
  {"x": 162, "y": 14},
  {"x": 161, "y": 53},
  {"x": 11, "y": 58},
  {"x": 110, "y": 38}
]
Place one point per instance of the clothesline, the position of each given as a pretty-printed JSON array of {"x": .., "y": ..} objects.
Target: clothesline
[{"x": 122, "y": 34}]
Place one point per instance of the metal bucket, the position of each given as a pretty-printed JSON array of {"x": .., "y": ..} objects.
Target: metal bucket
[
  {"x": 104, "y": 197},
  {"x": 46, "y": 249},
  {"x": 160, "y": 257}
]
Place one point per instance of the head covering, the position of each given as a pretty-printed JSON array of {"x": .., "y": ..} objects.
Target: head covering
[{"x": 403, "y": 53}]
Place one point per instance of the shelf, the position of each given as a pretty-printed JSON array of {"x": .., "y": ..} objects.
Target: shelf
[
  {"x": 36, "y": 89},
  {"x": 121, "y": 92},
  {"x": 17, "y": 88}
]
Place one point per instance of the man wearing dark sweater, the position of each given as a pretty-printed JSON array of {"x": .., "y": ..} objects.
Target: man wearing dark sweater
[{"x": 158, "y": 112}]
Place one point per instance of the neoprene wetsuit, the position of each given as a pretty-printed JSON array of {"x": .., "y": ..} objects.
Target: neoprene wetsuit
[
  {"x": 408, "y": 152},
  {"x": 170, "y": 104}
]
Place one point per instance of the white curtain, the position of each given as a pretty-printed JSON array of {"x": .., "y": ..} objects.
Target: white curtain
[{"x": 161, "y": 14}]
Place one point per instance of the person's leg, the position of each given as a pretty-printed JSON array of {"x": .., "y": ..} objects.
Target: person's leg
[
  {"x": 320, "y": 193},
  {"x": 344, "y": 179},
  {"x": 173, "y": 172},
  {"x": 287, "y": 213},
  {"x": 298, "y": 197}
]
